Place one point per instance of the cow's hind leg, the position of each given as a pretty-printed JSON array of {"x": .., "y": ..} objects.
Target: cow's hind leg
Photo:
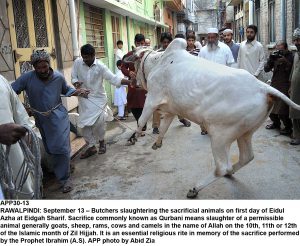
[
  {"x": 220, "y": 150},
  {"x": 245, "y": 149},
  {"x": 164, "y": 126}
]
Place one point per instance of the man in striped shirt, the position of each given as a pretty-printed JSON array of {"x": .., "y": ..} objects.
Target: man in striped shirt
[{"x": 191, "y": 47}]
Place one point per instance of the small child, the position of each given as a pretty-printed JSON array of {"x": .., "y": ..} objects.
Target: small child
[{"x": 120, "y": 99}]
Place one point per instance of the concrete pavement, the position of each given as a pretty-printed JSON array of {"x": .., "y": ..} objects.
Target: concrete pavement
[{"x": 138, "y": 172}]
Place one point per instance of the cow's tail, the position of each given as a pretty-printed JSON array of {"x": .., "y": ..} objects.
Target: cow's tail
[{"x": 276, "y": 93}]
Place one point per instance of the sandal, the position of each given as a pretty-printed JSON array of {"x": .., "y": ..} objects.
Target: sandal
[
  {"x": 121, "y": 118},
  {"x": 102, "y": 149},
  {"x": 67, "y": 187},
  {"x": 272, "y": 126},
  {"x": 89, "y": 152}
]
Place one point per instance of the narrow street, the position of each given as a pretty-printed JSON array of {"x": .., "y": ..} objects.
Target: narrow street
[{"x": 138, "y": 172}]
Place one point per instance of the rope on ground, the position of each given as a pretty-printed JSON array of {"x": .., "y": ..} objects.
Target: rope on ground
[
  {"x": 121, "y": 123},
  {"x": 12, "y": 184}
]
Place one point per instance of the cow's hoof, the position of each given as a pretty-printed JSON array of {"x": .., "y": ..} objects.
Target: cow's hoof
[
  {"x": 192, "y": 193},
  {"x": 229, "y": 173},
  {"x": 155, "y": 146},
  {"x": 224, "y": 172},
  {"x": 131, "y": 141},
  {"x": 219, "y": 172}
]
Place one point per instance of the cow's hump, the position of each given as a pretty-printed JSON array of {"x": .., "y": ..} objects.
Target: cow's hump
[{"x": 176, "y": 44}]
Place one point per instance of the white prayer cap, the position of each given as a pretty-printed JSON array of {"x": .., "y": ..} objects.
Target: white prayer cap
[
  {"x": 227, "y": 31},
  {"x": 212, "y": 30}
]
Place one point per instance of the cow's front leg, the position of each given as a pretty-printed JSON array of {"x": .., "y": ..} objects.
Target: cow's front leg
[
  {"x": 146, "y": 114},
  {"x": 164, "y": 126}
]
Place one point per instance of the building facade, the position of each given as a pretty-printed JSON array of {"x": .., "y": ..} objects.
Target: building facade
[
  {"x": 276, "y": 19},
  {"x": 61, "y": 27},
  {"x": 207, "y": 15}
]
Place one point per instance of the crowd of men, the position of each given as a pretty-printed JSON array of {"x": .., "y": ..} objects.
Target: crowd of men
[{"x": 44, "y": 88}]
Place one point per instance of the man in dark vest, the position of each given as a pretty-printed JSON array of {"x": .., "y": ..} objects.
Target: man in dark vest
[
  {"x": 281, "y": 62},
  {"x": 295, "y": 89}
]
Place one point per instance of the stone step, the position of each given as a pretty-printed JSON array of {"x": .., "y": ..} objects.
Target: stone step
[{"x": 77, "y": 145}]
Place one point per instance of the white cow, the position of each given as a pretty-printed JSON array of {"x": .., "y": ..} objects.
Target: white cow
[{"x": 230, "y": 102}]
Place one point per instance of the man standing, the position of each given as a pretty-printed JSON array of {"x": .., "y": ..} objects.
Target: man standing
[
  {"x": 43, "y": 87},
  {"x": 251, "y": 56},
  {"x": 191, "y": 47},
  {"x": 281, "y": 62},
  {"x": 89, "y": 73},
  {"x": 221, "y": 34},
  {"x": 227, "y": 36},
  {"x": 215, "y": 50},
  {"x": 136, "y": 95},
  {"x": 295, "y": 89},
  {"x": 12, "y": 116}
]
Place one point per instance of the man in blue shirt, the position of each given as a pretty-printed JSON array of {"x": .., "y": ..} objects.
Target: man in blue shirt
[
  {"x": 44, "y": 87},
  {"x": 227, "y": 35}
]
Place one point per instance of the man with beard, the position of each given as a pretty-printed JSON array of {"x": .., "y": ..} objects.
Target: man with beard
[
  {"x": 215, "y": 50},
  {"x": 227, "y": 35},
  {"x": 281, "y": 62},
  {"x": 251, "y": 56},
  {"x": 295, "y": 89},
  {"x": 44, "y": 87}
]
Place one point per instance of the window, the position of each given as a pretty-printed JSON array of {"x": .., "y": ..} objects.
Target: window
[
  {"x": 297, "y": 14},
  {"x": 195, "y": 27},
  {"x": 272, "y": 21},
  {"x": 94, "y": 26},
  {"x": 257, "y": 18},
  {"x": 115, "y": 22}
]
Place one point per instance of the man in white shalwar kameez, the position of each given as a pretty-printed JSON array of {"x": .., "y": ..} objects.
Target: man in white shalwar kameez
[
  {"x": 119, "y": 54},
  {"x": 12, "y": 116},
  {"x": 89, "y": 73},
  {"x": 120, "y": 97}
]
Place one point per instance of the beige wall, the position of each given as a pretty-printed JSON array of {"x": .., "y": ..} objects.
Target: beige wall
[
  {"x": 168, "y": 20},
  {"x": 6, "y": 57}
]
